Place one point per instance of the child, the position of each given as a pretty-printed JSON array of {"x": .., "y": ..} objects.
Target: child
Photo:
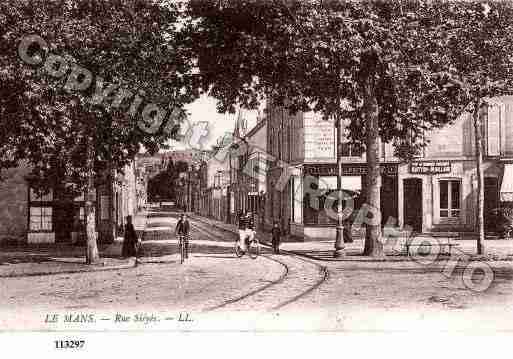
[{"x": 276, "y": 233}]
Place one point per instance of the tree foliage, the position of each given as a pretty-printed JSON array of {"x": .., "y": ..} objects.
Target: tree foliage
[
  {"x": 383, "y": 67},
  {"x": 131, "y": 44},
  {"x": 317, "y": 55},
  {"x": 164, "y": 185}
]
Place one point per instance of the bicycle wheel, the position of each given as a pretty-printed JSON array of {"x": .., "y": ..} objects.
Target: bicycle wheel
[
  {"x": 253, "y": 249},
  {"x": 238, "y": 252}
]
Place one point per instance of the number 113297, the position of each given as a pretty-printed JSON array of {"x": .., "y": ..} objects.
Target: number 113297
[{"x": 69, "y": 344}]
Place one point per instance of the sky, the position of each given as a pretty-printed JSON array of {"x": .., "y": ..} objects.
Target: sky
[{"x": 204, "y": 109}]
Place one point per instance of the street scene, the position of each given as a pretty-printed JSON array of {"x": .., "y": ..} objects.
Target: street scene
[{"x": 256, "y": 166}]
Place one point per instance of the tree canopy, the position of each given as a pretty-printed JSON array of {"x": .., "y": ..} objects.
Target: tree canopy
[
  {"x": 381, "y": 67},
  {"x": 317, "y": 55},
  {"x": 98, "y": 66}
]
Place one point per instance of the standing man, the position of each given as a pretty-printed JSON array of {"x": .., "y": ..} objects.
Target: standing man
[
  {"x": 276, "y": 234},
  {"x": 182, "y": 229}
]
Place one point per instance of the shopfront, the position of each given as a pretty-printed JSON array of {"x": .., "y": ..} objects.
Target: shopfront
[
  {"x": 441, "y": 195},
  {"x": 313, "y": 203}
]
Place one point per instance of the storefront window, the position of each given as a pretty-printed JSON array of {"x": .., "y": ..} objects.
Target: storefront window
[
  {"x": 41, "y": 211},
  {"x": 450, "y": 198},
  {"x": 323, "y": 209},
  {"x": 41, "y": 218}
]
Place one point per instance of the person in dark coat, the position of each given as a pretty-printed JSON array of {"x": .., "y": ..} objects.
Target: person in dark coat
[
  {"x": 130, "y": 240},
  {"x": 183, "y": 228},
  {"x": 276, "y": 234}
]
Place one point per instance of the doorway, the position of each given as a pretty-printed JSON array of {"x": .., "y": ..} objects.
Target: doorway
[
  {"x": 388, "y": 198},
  {"x": 412, "y": 203},
  {"x": 491, "y": 202}
]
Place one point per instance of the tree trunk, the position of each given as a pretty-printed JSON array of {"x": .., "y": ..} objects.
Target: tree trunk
[
  {"x": 480, "y": 178},
  {"x": 112, "y": 203},
  {"x": 373, "y": 245},
  {"x": 92, "y": 254}
]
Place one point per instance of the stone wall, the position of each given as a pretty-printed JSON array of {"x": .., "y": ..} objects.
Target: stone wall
[{"x": 13, "y": 204}]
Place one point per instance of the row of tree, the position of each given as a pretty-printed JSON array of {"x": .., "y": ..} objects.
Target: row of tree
[
  {"x": 165, "y": 185},
  {"x": 393, "y": 69},
  {"x": 128, "y": 52}
]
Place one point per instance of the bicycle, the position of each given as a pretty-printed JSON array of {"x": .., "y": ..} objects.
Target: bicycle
[
  {"x": 183, "y": 245},
  {"x": 252, "y": 246}
]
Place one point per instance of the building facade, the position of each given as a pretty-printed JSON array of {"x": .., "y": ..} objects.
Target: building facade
[
  {"x": 249, "y": 169},
  {"x": 58, "y": 217},
  {"x": 212, "y": 180}
]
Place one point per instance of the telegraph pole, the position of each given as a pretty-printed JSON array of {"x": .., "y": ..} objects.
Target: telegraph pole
[{"x": 339, "y": 236}]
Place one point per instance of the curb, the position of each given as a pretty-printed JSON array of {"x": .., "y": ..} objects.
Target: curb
[{"x": 93, "y": 268}]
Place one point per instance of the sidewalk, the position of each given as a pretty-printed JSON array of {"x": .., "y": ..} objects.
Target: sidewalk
[
  {"x": 322, "y": 249},
  {"x": 37, "y": 260},
  {"x": 29, "y": 260}
]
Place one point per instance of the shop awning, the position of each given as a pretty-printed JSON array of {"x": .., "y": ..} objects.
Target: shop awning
[{"x": 507, "y": 184}]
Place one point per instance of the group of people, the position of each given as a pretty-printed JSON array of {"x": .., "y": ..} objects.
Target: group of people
[{"x": 246, "y": 231}]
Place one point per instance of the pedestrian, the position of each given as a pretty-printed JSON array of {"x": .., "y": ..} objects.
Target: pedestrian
[
  {"x": 130, "y": 240},
  {"x": 182, "y": 229},
  {"x": 276, "y": 234}
]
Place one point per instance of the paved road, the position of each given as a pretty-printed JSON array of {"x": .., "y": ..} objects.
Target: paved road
[
  {"x": 304, "y": 294},
  {"x": 403, "y": 295},
  {"x": 213, "y": 280}
]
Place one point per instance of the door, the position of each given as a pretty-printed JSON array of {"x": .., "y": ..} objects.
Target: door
[
  {"x": 412, "y": 203},
  {"x": 63, "y": 221},
  {"x": 491, "y": 202},
  {"x": 388, "y": 199}
]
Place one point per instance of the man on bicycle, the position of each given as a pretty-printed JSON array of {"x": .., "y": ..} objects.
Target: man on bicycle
[
  {"x": 182, "y": 229},
  {"x": 246, "y": 230}
]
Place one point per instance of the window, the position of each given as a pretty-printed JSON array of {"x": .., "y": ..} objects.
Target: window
[
  {"x": 314, "y": 207},
  {"x": 450, "y": 198},
  {"x": 279, "y": 147},
  {"x": 41, "y": 218},
  {"x": 80, "y": 217},
  {"x": 351, "y": 150},
  {"x": 37, "y": 197},
  {"x": 104, "y": 207},
  {"x": 296, "y": 200}
]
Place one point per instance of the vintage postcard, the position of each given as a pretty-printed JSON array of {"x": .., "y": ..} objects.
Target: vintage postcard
[{"x": 255, "y": 166}]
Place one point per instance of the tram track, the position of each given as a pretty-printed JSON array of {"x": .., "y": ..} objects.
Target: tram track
[{"x": 267, "y": 291}]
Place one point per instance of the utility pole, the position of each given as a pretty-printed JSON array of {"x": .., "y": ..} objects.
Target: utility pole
[
  {"x": 339, "y": 236},
  {"x": 188, "y": 203}
]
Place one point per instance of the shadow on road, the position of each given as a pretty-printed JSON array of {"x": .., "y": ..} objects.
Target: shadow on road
[
  {"x": 27, "y": 253},
  {"x": 160, "y": 249}
]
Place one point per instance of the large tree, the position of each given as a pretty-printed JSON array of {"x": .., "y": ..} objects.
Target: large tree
[
  {"x": 86, "y": 82},
  {"x": 481, "y": 50},
  {"x": 383, "y": 66}
]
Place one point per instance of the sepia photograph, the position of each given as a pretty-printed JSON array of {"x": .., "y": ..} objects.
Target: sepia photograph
[{"x": 262, "y": 166}]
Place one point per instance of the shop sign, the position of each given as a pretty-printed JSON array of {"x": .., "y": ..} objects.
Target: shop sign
[
  {"x": 319, "y": 137},
  {"x": 431, "y": 167},
  {"x": 352, "y": 170}
]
